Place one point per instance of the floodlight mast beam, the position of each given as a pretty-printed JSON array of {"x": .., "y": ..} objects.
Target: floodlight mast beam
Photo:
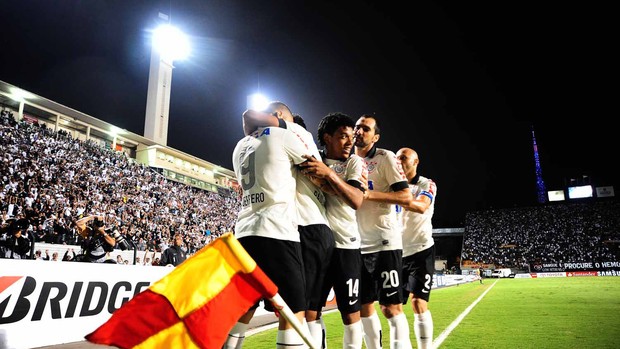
[
  {"x": 158, "y": 99},
  {"x": 163, "y": 53}
]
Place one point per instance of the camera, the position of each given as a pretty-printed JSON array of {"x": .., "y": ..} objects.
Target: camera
[
  {"x": 121, "y": 241},
  {"x": 98, "y": 223}
]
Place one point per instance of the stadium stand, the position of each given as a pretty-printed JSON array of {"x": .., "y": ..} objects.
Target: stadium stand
[
  {"x": 54, "y": 179},
  {"x": 519, "y": 238}
]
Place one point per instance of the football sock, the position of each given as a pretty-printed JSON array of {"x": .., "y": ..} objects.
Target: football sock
[
  {"x": 423, "y": 328},
  {"x": 236, "y": 336},
  {"x": 399, "y": 332},
  {"x": 290, "y": 339},
  {"x": 352, "y": 336},
  {"x": 316, "y": 331},
  {"x": 372, "y": 331}
]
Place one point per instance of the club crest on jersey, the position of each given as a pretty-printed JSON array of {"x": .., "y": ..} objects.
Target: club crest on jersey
[
  {"x": 338, "y": 168},
  {"x": 371, "y": 165}
]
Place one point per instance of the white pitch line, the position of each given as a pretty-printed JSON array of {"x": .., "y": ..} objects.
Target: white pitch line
[{"x": 442, "y": 337}]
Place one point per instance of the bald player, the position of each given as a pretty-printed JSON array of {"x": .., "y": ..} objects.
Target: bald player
[{"x": 418, "y": 246}]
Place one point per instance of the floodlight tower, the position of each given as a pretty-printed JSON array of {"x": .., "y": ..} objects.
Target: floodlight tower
[
  {"x": 169, "y": 44},
  {"x": 540, "y": 184}
]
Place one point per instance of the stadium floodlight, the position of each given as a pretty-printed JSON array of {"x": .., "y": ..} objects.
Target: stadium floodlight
[
  {"x": 169, "y": 44},
  {"x": 257, "y": 101}
]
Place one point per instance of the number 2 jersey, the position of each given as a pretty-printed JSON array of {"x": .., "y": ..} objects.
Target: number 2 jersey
[{"x": 417, "y": 227}]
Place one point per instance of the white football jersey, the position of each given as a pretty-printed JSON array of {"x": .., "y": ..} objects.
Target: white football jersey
[
  {"x": 310, "y": 198},
  {"x": 379, "y": 227},
  {"x": 264, "y": 164},
  {"x": 418, "y": 228},
  {"x": 340, "y": 215}
]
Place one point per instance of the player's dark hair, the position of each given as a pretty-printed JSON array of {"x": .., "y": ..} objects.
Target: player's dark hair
[
  {"x": 331, "y": 123},
  {"x": 377, "y": 129},
  {"x": 299, "y": 120}
]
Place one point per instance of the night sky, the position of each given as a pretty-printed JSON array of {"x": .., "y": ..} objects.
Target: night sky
[{"x": 461, "y": 83}]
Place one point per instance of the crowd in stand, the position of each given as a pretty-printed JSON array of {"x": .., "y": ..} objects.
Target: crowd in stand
[
  {"x": 558, "y": 233},
  {"x": 52, "y": 179}
]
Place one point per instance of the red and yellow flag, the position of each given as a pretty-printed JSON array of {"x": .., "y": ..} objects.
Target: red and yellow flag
[{"x": 194, "y": 306}]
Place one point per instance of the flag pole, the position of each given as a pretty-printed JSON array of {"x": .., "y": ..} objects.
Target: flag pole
[{"x": 288, "y": 314}]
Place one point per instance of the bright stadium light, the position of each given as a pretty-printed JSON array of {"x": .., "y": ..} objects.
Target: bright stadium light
[
  {"x": 257, "y": 101},
  {"x": 169, "y": 44}
]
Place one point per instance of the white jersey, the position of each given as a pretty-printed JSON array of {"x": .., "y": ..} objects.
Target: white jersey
[
  {"x": 417, "y": 227},
  {"x": 379, "y": 227},
  {"x": 340, "y": 215},
  {"x": 264, "y": 164},
  {"x": 310, "y": 198}
]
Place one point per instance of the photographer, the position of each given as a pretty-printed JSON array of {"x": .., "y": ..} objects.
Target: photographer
[
  {"x": 98, "y": 239},
  {"x": 14, "y": 241}
]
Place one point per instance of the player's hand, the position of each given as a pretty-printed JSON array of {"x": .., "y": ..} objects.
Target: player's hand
[
  {"x": 315, "y": 168},
  {"x": 319, "y": 182}
]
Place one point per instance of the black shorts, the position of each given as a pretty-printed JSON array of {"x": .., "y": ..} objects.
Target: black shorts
[
  {"x": 381, "y": 273},
  {"x": 418, "y": 270},
  {"x": 317, "y": 246},
  {"x": 344, "y": 276},
  {"x": 282, "y": 262}
]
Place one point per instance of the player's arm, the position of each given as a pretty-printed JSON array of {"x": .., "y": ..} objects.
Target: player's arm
[
  {"x": 399, "y": 196},
  {"x": 253, "y": 119},
  {"x": 419, "y": 204},
  {"x": 351, "y": 193},
  {"x": 393, "y": 173},
  {"x": 424, "y": 198}
]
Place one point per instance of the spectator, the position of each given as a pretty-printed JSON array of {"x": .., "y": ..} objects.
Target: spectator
[
  {"x": 14, "y": 243},
  {"x": 175, "y": 254},
  {"x": 69, "y": 257}
]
